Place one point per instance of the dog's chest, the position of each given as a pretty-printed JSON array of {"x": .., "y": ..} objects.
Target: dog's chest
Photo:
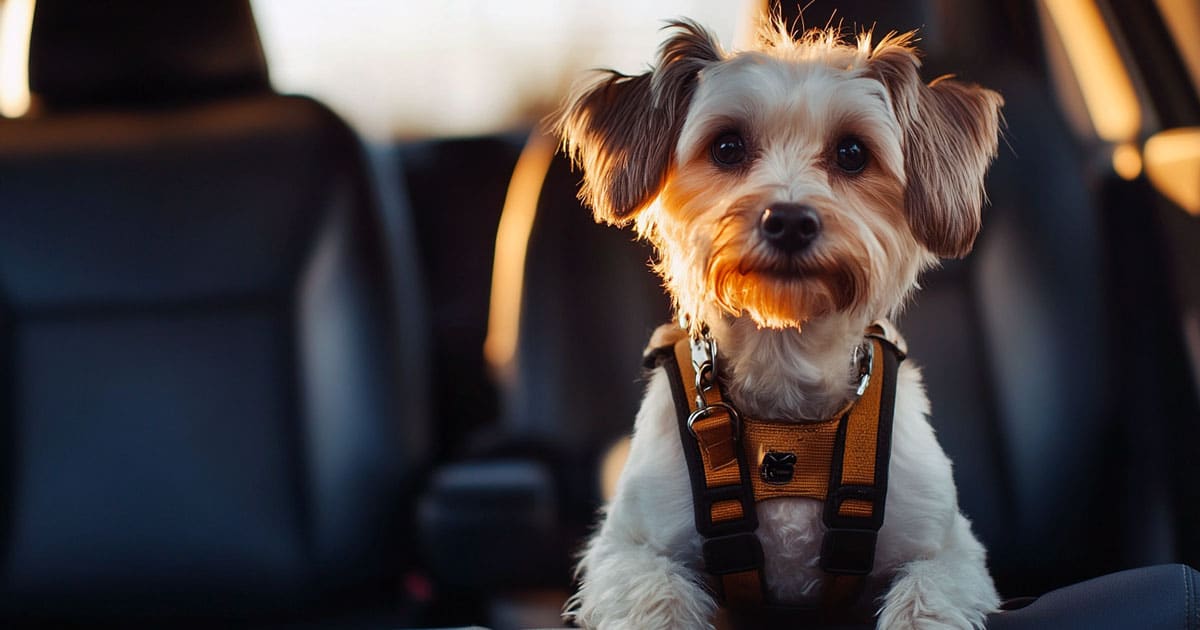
[{"x": 791, "y": 531}]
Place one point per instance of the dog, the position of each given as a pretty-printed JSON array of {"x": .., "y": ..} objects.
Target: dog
[{"x": 793, "y": 193}]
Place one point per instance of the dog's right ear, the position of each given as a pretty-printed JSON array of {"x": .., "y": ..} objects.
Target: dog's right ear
[
  {"x": 951, "y": 130},
  {"x": 622, "y": 129}
]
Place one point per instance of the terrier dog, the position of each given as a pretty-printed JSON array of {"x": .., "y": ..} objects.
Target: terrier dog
[{"x": 793, "y": 193}]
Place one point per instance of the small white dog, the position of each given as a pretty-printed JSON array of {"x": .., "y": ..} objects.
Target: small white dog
[{"x": 793, "y": 192}]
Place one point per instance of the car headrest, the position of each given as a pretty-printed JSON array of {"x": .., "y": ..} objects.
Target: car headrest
[{"x": 143, "y": 52}]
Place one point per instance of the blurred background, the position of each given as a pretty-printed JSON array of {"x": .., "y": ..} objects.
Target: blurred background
[{"x": 301, "y": 324}]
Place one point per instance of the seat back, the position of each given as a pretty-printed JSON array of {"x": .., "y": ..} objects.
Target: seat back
[
  {"x": 1015, "y": 341},
  {"x": 200, "y": 391},
  {"x": 589, "y": 305}
]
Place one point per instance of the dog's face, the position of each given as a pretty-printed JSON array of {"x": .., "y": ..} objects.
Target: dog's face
[{"x": 799, "y": 180}]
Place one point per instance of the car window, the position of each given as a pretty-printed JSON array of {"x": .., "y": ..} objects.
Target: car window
[{"x": 461, "y": 67}]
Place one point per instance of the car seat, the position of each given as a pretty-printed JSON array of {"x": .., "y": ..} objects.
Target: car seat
[{"x": 209, "y": 402}]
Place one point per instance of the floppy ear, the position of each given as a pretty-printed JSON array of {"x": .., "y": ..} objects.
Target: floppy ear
[
  {"x": 622, "y": 129},
  {"x": 950, "y": 131}
]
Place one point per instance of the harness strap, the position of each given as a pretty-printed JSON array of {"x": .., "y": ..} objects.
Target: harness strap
[
  {"x": 723, "y": 493},
  {"x": 858, "y": 478}
]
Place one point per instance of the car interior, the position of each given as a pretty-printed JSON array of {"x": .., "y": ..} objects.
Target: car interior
[{"x": 262, "y": 367}]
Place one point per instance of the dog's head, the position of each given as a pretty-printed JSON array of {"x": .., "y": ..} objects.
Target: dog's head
[{"x": 804, "y": 178}]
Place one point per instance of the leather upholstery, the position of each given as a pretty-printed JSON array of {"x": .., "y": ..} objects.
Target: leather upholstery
[
  {"x": 589, "y": 307},
  {"x": 200, "y": 394},
  {"x": 134, "y": 52},
  {"x": 1151, "y": 598},
  {"x": 1160, "y": 597},
  {"x": 448, "y": 180}
]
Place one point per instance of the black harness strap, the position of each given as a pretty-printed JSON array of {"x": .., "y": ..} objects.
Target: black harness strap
[
  {"x": 732, "y": 552},
  {"x": 848, "y": 548}
]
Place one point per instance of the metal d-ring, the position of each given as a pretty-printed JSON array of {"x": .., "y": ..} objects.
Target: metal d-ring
[{"x": 708, "y": 410}]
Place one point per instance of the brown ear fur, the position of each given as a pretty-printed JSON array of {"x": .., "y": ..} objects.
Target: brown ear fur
[
  {"x": 622, "y": 129},
  {"x": 950, "y": 132}
]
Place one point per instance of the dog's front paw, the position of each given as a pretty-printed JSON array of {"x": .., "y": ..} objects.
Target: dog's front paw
[
  {"x": 639, "y": 591},
  {"x": 939, "y": 594}
]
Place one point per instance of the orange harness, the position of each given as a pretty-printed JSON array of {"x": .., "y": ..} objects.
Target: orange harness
[{"x": 735, "y": 461}]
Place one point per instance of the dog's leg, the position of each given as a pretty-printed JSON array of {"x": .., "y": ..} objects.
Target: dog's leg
[
  {"x": 952, "y": 589},
  {"x": 628, "y": 586},
  {"x": 641, "y": 570}
]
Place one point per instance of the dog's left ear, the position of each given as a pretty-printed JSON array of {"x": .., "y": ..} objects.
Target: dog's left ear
[
  {"x": 622, "y": 129},
  {"x": 950, "y": 132}
]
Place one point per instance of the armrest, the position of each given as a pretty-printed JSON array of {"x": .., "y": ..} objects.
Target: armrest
[{"x": 491, "y": 525}]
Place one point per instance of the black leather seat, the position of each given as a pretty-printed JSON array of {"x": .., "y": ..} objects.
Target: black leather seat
[
  {"x": 206, "y": 406},
  {"x": 588, "y": 306},
  {"x": 450, "y": 218}
]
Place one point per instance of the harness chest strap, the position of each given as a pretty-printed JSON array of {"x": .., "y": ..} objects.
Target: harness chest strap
[{"x": 841, "y": 461}]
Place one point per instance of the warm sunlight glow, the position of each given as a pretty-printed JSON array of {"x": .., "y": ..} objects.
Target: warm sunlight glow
[
  {"x": 1173, "y": 166},
  {"x": 745, "y": 33},
  {"x": 1127, "y": 162},
  {"x": 512, "y": 239},
  {"x": 611, "y": 467},
  {"x": 419, "y": 69},
  {"x": 16, "y": 20},
  {"x": 1103, "y": 80}
]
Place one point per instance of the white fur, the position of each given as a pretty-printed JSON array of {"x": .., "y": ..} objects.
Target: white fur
[{"x": 785, "y": 323}]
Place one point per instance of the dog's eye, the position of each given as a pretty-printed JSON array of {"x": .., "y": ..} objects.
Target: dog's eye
[
  {"x": 851, "y": 155},
  {"x": 729, "y": 149}
]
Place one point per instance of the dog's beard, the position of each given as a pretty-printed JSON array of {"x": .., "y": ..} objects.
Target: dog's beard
[{"x": 777, "y": 290}]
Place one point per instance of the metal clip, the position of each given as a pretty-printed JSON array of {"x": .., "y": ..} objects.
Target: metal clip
[
  {"x": 704, "y": 362},
  {"x": 864, "y": 359}
]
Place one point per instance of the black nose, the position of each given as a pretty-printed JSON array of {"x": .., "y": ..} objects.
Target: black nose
[{"x": 790, "y": 227}]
